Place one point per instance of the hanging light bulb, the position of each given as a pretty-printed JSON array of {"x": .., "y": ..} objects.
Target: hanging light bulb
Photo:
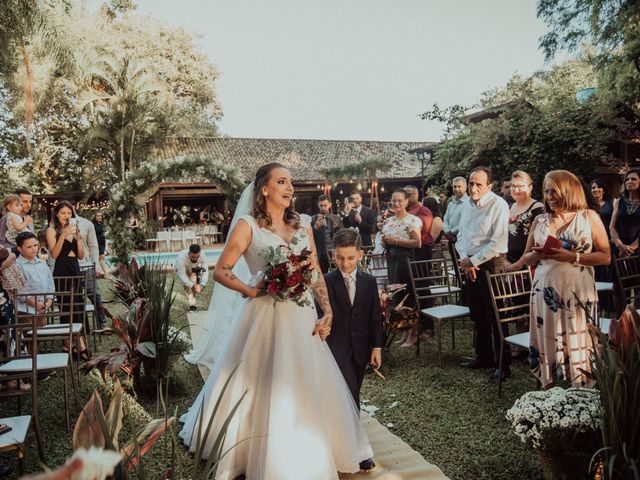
[
  {"x": 359, "y": 186},
  {"x": 340, "y": 192},
  {"x": 368, "y": 190},
  {"x": 318, "y": 186},
  {"x": 382, "y": 188}
]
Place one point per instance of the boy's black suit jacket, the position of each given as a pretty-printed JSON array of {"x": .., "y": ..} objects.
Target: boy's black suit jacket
[{"x": 356, "y": 329}]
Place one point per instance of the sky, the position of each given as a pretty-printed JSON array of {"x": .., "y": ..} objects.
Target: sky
[{"x": 355, "y": 69}]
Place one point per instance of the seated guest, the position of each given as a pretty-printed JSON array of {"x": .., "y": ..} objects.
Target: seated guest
[
  {"x": 437, "y": 223},
  {"x": 193, "y": 271},
  {"x": 521, "y": 215},
  {"x": 37, "y": 275},
  {"x": 325, "y": 225}
]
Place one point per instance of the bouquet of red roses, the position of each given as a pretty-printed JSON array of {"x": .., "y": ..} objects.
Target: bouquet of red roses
[{"x": 289, "y": 275}]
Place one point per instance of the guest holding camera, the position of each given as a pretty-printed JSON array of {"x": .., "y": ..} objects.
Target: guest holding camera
[
  {"x": 356, "y": 215},
  {"x": 193, "y": 272},
  {"x": 325, "y": 225}
]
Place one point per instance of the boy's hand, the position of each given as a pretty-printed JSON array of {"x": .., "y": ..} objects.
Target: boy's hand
[{"x": 376, "y": 358}]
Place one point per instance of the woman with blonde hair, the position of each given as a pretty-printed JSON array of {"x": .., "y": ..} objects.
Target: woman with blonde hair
[
  {"x": 560, "y": 342},
  {"x": 522, "y": 213}
]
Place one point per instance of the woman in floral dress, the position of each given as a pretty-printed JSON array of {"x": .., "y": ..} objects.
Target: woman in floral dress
[
  {"x": 560, "y": 342},
  {"x": 400, "y": 237}
]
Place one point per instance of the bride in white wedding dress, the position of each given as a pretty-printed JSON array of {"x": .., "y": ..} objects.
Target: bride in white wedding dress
[{"x": 298, "y": 420}]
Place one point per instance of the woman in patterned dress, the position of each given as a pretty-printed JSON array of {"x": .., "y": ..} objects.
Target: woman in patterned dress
[
  {"x": 522, "y": 213},
  {"x": 560, "y": 342},
  {"x": 625, "y": 221}
]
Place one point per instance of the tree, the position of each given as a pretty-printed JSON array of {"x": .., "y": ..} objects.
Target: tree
[
  {"x": 125, "y": 101},
  {"x": 541, "y": 127},
  {"x": 22, "y": 21},
  {"x": 613, "y": 28}
]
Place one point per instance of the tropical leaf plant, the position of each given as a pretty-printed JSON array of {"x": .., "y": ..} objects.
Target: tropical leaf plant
[{"x": 95, "y": 428}]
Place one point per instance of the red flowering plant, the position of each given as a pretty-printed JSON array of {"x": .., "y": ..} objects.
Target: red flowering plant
[
  {"x": 289, "y": 273},
  {"x": 395, "y": 317}
]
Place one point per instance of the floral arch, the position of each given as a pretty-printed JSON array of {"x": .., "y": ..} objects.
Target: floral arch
[{"x": 128, "y": 197}]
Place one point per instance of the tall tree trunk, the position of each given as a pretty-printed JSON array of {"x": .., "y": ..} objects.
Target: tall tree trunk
[
  {"x": 133, "y": 137},
  {"x": 28, "y": 94}
]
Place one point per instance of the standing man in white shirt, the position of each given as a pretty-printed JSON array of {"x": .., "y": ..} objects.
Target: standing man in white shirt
[
  {"x": 193, "y": 271},
  {"x": 482, "y": 245},
  {"x": 451, "y": 221}
]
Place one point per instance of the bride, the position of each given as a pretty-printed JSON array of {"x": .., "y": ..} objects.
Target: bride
[{"x": 297, "y": 419}]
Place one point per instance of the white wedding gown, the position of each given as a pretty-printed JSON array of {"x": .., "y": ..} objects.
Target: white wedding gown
[{"x": 298, "y": 420}]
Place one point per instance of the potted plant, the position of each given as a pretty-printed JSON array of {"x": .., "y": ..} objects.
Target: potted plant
[{"x": 562, "y": 426}]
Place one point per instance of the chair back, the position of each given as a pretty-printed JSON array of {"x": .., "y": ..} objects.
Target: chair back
[
  {"x": 53, "y": 323},
  {"x": 16, "y": 345},
  {"x": 430, "y": 281},
  {"x": 376, "y": 265},
  {"x": 627, "y": 271},
  {"x": 76, "y": 303},
  {"x": 510, "y": 296},
  {"x": 164, "y": 235}
]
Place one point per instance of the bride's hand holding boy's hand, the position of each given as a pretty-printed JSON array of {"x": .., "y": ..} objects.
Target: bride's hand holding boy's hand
[{"x": 323, "y": 327}]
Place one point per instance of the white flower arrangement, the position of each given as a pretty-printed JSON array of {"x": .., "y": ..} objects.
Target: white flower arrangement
[{"x": 540, "y": 417}]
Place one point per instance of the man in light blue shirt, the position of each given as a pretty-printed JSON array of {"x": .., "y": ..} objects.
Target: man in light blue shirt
[
  {"x": 451, "y": 221},
  {"x": 36, "y": 274}
]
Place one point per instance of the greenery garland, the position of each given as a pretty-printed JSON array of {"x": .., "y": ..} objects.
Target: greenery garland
[
  {"x": 365, "y": 169},
  {"x": 123, "y": 203}
]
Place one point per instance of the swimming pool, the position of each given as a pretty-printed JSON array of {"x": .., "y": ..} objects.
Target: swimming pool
[{"x": 169, "y": 258}]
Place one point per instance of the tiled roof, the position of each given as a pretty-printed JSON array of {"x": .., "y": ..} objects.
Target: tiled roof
[{"x": 305, "y": 159}]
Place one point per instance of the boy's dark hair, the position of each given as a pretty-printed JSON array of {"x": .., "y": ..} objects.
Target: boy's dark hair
[
  {"x": 347, "y": 237},
  {"x": 22, "y": 191},
  {"x": 194, "y": 248},
  {"x": 23, "y": 237}
]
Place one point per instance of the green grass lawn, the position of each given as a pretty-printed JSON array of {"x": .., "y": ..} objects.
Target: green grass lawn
[{"x": 453, "y": 417}]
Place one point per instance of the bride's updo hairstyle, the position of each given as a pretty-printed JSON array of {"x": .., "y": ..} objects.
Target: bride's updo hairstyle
[{"x": 260, "y": 212}]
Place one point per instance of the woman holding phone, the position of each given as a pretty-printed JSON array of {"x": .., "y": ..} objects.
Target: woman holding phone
[
  {"x": 564, "y": 245},
  {"x": 63, "y": 241}
]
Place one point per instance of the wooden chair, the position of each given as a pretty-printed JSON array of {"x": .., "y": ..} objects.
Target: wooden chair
[
  {"x": 21, "y": 361},
  {"x": 430, "y": 284},
  {"x": 91, "y": 305},
  {"x": 15, "y": 439},
  {"x": 71, "y": 301},
  {"x": 54, "y": 326},
  {"x": 627, "y": 281},
  {"x": 510, "y": 297},
  {"x": 376, "y": 265}
]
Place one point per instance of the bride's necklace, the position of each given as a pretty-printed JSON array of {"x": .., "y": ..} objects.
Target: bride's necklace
[{"x": 632, "y": 206}]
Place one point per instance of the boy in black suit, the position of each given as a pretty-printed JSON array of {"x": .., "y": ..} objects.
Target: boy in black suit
[{"x": 356, "y": 332}]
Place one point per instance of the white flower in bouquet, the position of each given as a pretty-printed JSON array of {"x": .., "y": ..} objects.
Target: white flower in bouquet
[{"x": 538, "y": 416}]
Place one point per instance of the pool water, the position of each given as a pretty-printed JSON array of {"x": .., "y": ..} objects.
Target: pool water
[{"x": 169, "y": 258}]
